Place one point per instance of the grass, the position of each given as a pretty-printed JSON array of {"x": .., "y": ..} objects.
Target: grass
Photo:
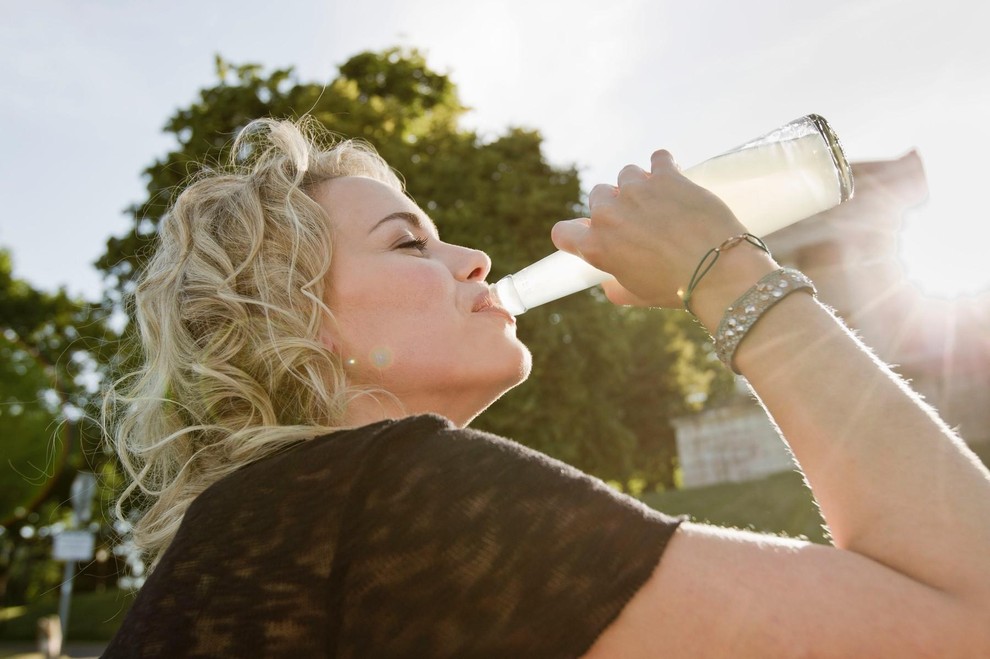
[
  {"x": 92, "y": 616},
  {"x": 777, "y": 504}
]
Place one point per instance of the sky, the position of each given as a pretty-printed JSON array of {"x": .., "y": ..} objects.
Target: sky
[{"x": 86, "y": 86}]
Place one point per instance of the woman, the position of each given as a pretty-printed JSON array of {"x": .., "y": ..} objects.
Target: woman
[{"x": 314, "y": 353}]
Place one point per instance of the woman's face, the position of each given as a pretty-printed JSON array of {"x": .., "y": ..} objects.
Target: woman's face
[{"x": 413, "y": 313}]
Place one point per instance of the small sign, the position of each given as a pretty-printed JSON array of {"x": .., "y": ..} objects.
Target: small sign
[{"x": 74, "y": 546}]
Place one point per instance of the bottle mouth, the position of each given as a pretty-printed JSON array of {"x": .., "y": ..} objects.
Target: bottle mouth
[
  {"x": 842, "y": 168},
  {"x": 506, "y": 296}
]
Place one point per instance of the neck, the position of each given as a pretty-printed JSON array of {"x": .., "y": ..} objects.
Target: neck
[{"x": 372, "y": 408}]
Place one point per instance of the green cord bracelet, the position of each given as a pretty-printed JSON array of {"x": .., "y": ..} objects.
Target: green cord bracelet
[{"x": 710, "y": 257}]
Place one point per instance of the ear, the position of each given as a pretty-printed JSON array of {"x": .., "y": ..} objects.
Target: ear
[{"x": 327, "y": 339}]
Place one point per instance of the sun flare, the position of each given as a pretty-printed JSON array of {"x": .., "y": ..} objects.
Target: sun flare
[{"x": 945, "y": 254}]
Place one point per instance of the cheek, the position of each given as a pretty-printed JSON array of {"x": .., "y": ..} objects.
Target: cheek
[
  {"x": 378, "y": 284},
  {"x": 379, "y": 314},
  {"x": 400, "y": 291}
]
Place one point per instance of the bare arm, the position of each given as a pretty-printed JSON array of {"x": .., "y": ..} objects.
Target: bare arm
[{"x": 907, "y": 503}]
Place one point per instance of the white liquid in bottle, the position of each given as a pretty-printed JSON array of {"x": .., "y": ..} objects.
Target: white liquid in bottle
[{"x": 790, "y": 174}]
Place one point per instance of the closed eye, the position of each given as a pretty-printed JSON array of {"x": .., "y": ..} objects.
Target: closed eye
[{"x": 415, "y": 243}]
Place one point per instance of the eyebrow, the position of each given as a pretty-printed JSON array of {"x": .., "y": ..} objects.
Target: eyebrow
[{"x": 403, "y": 216}]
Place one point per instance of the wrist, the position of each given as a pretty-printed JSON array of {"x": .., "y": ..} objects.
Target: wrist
[
  {"x": 741, "y": 316},
  {"x": 737, "y": 270}
]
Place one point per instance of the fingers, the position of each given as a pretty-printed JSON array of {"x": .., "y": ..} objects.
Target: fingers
[
  {"x": 568, "y": 235},
  {"x": 631, "y": 173},
  {"x": 661, "y": 161},
  {"x": 602, "y": 194},
  {"x": 617, "y": 294}
]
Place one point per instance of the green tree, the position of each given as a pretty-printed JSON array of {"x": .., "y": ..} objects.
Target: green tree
[
  {"x": 51, "y": 351},
  {"x": 605, "y": 380},
  {"x": 29, "y": 424}
]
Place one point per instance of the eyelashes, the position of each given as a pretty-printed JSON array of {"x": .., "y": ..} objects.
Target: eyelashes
[{"x": 418, "y": 244}]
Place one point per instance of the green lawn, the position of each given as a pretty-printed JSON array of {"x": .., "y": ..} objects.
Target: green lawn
[{"x": 778, "y": 504}]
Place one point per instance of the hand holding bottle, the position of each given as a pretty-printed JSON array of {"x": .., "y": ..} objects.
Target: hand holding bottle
[
  {"x": 784, "y": 176},
  {"x": 651, "y": 230}
]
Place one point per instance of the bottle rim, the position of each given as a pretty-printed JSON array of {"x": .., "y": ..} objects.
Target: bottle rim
[{"x": 846, "y": 183}]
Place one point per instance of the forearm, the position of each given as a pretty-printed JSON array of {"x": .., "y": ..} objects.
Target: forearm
[
  {"x": 893, "y": 482},
  {"x": 907, "y": 503}
]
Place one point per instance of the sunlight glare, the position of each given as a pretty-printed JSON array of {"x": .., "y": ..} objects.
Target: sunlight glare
[{"x": 945, "y": 253}]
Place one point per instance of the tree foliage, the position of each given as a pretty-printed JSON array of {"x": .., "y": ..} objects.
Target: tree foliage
[
  {"x": 51, "y": 348},
  {"x": 52, "y": 351},
  {"x": 605, "y": 380}
]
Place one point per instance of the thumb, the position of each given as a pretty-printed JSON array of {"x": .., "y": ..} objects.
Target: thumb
[{"x": 568, "y": 235}]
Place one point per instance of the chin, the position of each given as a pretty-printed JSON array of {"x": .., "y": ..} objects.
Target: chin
[
  {"x": 519, "y": 374},
  {"x": 523, "y": 365},
  {"x": 515, "y": 376},
  {"x": 526, "y": 366}
]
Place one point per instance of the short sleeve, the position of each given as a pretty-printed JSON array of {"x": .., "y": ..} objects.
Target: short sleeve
[{"x": 457, "y": 543}]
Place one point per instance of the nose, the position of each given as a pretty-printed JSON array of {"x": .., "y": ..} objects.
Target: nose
[{"x": 472, "y": 264}]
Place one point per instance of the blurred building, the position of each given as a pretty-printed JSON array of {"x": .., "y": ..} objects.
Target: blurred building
[{"x": 852, "y": 253}]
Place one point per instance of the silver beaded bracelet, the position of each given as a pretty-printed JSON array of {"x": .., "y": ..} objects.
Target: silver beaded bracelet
[{"x": 750, "y": 307}]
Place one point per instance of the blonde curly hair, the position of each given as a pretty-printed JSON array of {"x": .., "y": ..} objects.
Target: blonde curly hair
[{"x": 229, "y": 310}]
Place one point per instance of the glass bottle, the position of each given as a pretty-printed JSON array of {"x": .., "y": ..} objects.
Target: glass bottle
[{"x": 769, "y": 183}]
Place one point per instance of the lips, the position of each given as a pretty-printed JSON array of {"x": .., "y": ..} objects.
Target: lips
[{"x": 485, "y": 303}]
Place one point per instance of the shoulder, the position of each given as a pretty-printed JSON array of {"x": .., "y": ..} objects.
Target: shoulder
[
  {"x": 351, "y": 446},
  {"x": 435, "y": 440},
  {"x": 342, "y": 456},
  {"x": 431, "y": 439},
  {"x": 504, "y": 550},
  {"x": 437, "y": 461}
]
